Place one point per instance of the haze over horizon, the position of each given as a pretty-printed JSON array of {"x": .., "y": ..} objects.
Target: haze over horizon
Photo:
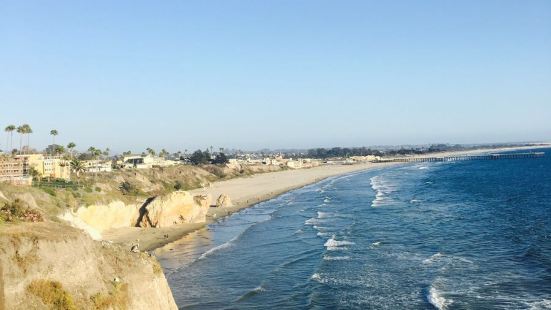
[{"x": 286, "y": 74}]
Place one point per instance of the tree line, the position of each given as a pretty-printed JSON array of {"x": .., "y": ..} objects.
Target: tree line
[
  {"x": 204, "y": 157},
  {"x": 363, "y": 151}
]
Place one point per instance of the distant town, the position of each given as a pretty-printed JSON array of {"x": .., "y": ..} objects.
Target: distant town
[{"x": 23, "y": 165}]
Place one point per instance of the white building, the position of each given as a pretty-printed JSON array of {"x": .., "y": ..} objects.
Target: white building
[
  {"x": 146, "y": 162},
  {"x": 294, "y": 164},
  {"x": 97, "y": 166}
]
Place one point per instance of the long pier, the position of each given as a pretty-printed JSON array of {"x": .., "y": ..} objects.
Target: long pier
[{"x": 465, "y": 157}]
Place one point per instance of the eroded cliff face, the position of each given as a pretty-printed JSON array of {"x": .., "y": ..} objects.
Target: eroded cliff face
[
  {"x": 175, "y": 208},
  {"x": 46, "y": 263},
  {"x": 163, "y": 211}
]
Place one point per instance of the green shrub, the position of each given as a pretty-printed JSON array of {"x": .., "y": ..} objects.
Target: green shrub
[
  {"x": 128, "y": 188},
  {"x": 97, "y": 189},
  {"x": 49, "y": 190},
  {"x": 19, "y": 211}
]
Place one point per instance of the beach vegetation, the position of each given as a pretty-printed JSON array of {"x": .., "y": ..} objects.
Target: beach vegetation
[
  {"x": 18, "y": 210},
  {"x": 116, "y": 298},
  {"x": 128, "y": 188},
  {"x": 52, "y": 294},
  {"x": 48, "y": 190},
  {"x": 217, "y": 171}
]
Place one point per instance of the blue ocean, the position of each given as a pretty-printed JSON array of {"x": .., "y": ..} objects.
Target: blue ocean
[{"x": 447, "y": 235}]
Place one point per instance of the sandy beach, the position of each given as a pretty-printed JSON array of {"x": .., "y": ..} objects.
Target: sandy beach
[
  {"x": 247, "y": 191},
  {"x": 244, "y": 192}
]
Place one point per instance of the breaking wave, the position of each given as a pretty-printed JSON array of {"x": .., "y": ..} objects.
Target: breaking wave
[
  {"x": 218, "y": 248},
  {"x": 435, "y": 298},
  {"x": 326, "y": 257},
  {"x": 333, "y": 244},
  {"x": 382, "y": 189}
]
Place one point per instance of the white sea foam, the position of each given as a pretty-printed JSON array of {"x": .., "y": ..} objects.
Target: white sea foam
[
  {"x": 317, "y": 277},
  {"x": 322, "y": 215},
  {"x": 382, "y": 189},
  {"x": 322, "y": 234},
  {"x": 437, "y": 300},
  {"x": 423, "y": 167},
  {"x": 333, "y": 244},
  {"x": 433, "y": 258},
  {"x": 327, "y": 199},
  {"x": 540, "y": 305},
  {"x": 374, "y": 244},
  {"x": 447, "y": 259},
  {"x": 326, "y": 257},
  {"x": 218, "y": 248},
  {"x": 312, "y": 221},
  {"x": 259, "y": 289}
]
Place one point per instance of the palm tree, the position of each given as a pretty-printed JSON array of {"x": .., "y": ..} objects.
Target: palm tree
[
  {"x": 9, "y": 134},
  {"x": 20, "y": 131},
  {"x": 53, "y": 133},
  {"x": 59, "y": 149},
  {"x": 106, "y": 152},
  {"x": 94, "y": 152},
  {"x": 77, "y": 166},
  {"x": 150, "y": 151},
  {"x": 25, "y": 130},
  {"x": 70, "y": 147}
]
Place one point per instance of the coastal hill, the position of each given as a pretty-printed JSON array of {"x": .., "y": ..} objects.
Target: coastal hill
[
  {"x": 44, "y": 262},
  {"x": 49, "y": 265}
]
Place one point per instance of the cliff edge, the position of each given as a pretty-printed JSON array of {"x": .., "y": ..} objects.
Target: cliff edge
[{"x": 52, "y": 265}]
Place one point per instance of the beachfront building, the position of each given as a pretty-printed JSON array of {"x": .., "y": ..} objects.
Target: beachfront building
[
  {"x": 369, "y": 158},
  {"x": 13, "y": 170},
  {"x": 294, "y": 164},
  {"x": 47, "y": 166},
  {"x": 94, "y": 166},
  {"x": 146, "y": 162},
  {"x": 271, "y": 161}
]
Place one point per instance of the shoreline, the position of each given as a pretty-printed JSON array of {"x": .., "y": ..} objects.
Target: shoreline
[{"x": 249, "y": 191}]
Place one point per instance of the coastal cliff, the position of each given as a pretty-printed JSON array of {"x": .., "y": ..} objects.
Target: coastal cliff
[
  {"x": 49, "y": 264},
  {"x": 178, "y": 207}
]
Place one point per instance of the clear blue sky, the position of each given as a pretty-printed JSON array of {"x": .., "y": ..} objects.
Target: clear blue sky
[{"x": 254, "y": 74}]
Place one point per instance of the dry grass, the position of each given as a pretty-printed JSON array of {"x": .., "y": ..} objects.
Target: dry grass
[
  {"x": 52, "y": 294},
  {"x": 24, "y": 260},
  {"x": 117, "y": 298},
  {"x": 157, "y": 269},
  {"x": 18, "y": 210},
  {"x": 104, "y": 188}
]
